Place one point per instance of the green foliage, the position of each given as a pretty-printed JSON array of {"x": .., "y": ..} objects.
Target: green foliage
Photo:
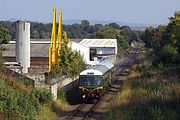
[
  {"x": 114, "y": 25},
  {"x": 169, "y": 54},
  {"x": 165, "y": 40},
  {"x": 147, "y": 37},
  {"x": 61, "y": 94},
  {"x": 46, "y": 114},
  {"x": 1, "y": 60},
  {"x": 123, "y": 43},
  {"x": 43, "y": 96},
  {"x": 147, "y": 71},
  {"x": 108, "y": 32},
  {"x": 18, "y": 104},
  {"x": 130, "y": 34},
  {"x": 4, "y": 38},
  {"x": 71, "y": 64},
  {"x": 15, "y": 104},
  {"x": 77, "y": 64},
  {"x": 152, "y": 98},
  {"x": 4, "y": 35},
  {"x": 146, "y": 113},
  {"x": 154, "y": 94}
]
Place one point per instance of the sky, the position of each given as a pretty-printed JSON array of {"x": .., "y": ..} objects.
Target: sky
[{"x": 128, "y": 11}]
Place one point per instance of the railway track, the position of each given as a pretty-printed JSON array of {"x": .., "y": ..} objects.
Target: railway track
[{"x": 84, "y": 111}]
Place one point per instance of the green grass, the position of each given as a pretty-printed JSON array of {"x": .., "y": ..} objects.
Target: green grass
[
  {"x": 46, "y": 114},
  {"x": 152, "y": 95}
]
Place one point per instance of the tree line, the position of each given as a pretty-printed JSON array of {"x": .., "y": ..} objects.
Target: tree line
[
  {"x": 165, "y": 41},
  {"x": 82, "y": 30}
]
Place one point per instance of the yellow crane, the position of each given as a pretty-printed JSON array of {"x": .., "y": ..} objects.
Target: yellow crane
[{"x": 56, "y": 41}]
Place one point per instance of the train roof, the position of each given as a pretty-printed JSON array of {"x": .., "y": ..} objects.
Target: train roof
[
  {"x": 96, "y": 70},
  {"x": 107, "y": 64}
]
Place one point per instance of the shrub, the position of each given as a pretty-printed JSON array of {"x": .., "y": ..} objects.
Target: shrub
[
  {"x": 44, "y": 96},
  {"x": 147, "y": 71},
  {"x": 61, "y": 94},
  {"x": 169, "y": 54}
]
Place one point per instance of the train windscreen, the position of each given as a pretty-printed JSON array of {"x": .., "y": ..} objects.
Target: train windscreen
[{"x": 90, "y": 80}]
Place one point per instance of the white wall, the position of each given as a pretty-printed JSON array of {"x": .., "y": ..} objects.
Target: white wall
[{"x": 84, "y": 51}]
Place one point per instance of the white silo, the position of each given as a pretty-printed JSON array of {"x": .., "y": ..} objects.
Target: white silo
[{"x": 23, "y": 44}]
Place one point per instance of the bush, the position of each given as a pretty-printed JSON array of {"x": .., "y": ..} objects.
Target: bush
[
  {"x": 61, "y": 94},
  {"x": 16, "y": 104},
  {"x": 147, "y": 71},
  {"x": 169, "y": 54},
  {"x": 44, "y": 96}
]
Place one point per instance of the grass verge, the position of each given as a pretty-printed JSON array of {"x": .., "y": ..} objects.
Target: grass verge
[{"x": 149, "y": 94}]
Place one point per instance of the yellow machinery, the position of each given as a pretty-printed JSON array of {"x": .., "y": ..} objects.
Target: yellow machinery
[{"x": 56, "y": 41}]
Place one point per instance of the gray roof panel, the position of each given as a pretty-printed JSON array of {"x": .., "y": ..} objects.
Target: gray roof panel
[
  {"x": 107, "y": 64},
  {"x": 100, "y": 68}
]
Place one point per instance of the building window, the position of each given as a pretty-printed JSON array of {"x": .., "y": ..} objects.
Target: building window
[{"x": 93, "y": 54}]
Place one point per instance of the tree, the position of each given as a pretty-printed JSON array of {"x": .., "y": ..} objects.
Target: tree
[
  {"x": 4, "y": 35},
  {"x": 107, "y": 33},
  {"x": 169, "y": 54},
  {"x": 165, "y": 41},
  {"x": 129, "y": 34},
  {"x": 71, "y": 62},
  {"x": 34, "y": 34},
  {"x": 147, "y": 37},
  {"x": 85, "y": 23},
  {"x": 114, "y": 25}
]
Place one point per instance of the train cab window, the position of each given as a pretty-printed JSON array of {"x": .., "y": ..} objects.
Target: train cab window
[
  {"x": 97, "y": 80},
  {"x": 83, "y": 80},
  {"x": 90, "y": 80}
]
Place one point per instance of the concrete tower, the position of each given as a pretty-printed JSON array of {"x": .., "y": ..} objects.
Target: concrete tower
[{"x": 23, "y": 44}]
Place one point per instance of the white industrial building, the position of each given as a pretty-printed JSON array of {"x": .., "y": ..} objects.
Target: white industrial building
[
  {"x": 100, "y": 49},
  {"x": 103, "y": 46}
]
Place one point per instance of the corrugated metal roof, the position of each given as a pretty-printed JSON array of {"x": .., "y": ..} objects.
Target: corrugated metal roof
[{"x": 99, "y": 42}]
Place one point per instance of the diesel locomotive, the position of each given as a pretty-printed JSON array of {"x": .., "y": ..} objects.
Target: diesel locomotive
[{"x": 94, "y": 81}]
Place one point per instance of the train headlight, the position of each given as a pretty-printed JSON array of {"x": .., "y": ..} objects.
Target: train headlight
[{"x": 83, "y": 96}]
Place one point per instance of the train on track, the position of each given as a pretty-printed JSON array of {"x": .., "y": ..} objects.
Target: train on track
[{"x": 94, "y": 80}]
